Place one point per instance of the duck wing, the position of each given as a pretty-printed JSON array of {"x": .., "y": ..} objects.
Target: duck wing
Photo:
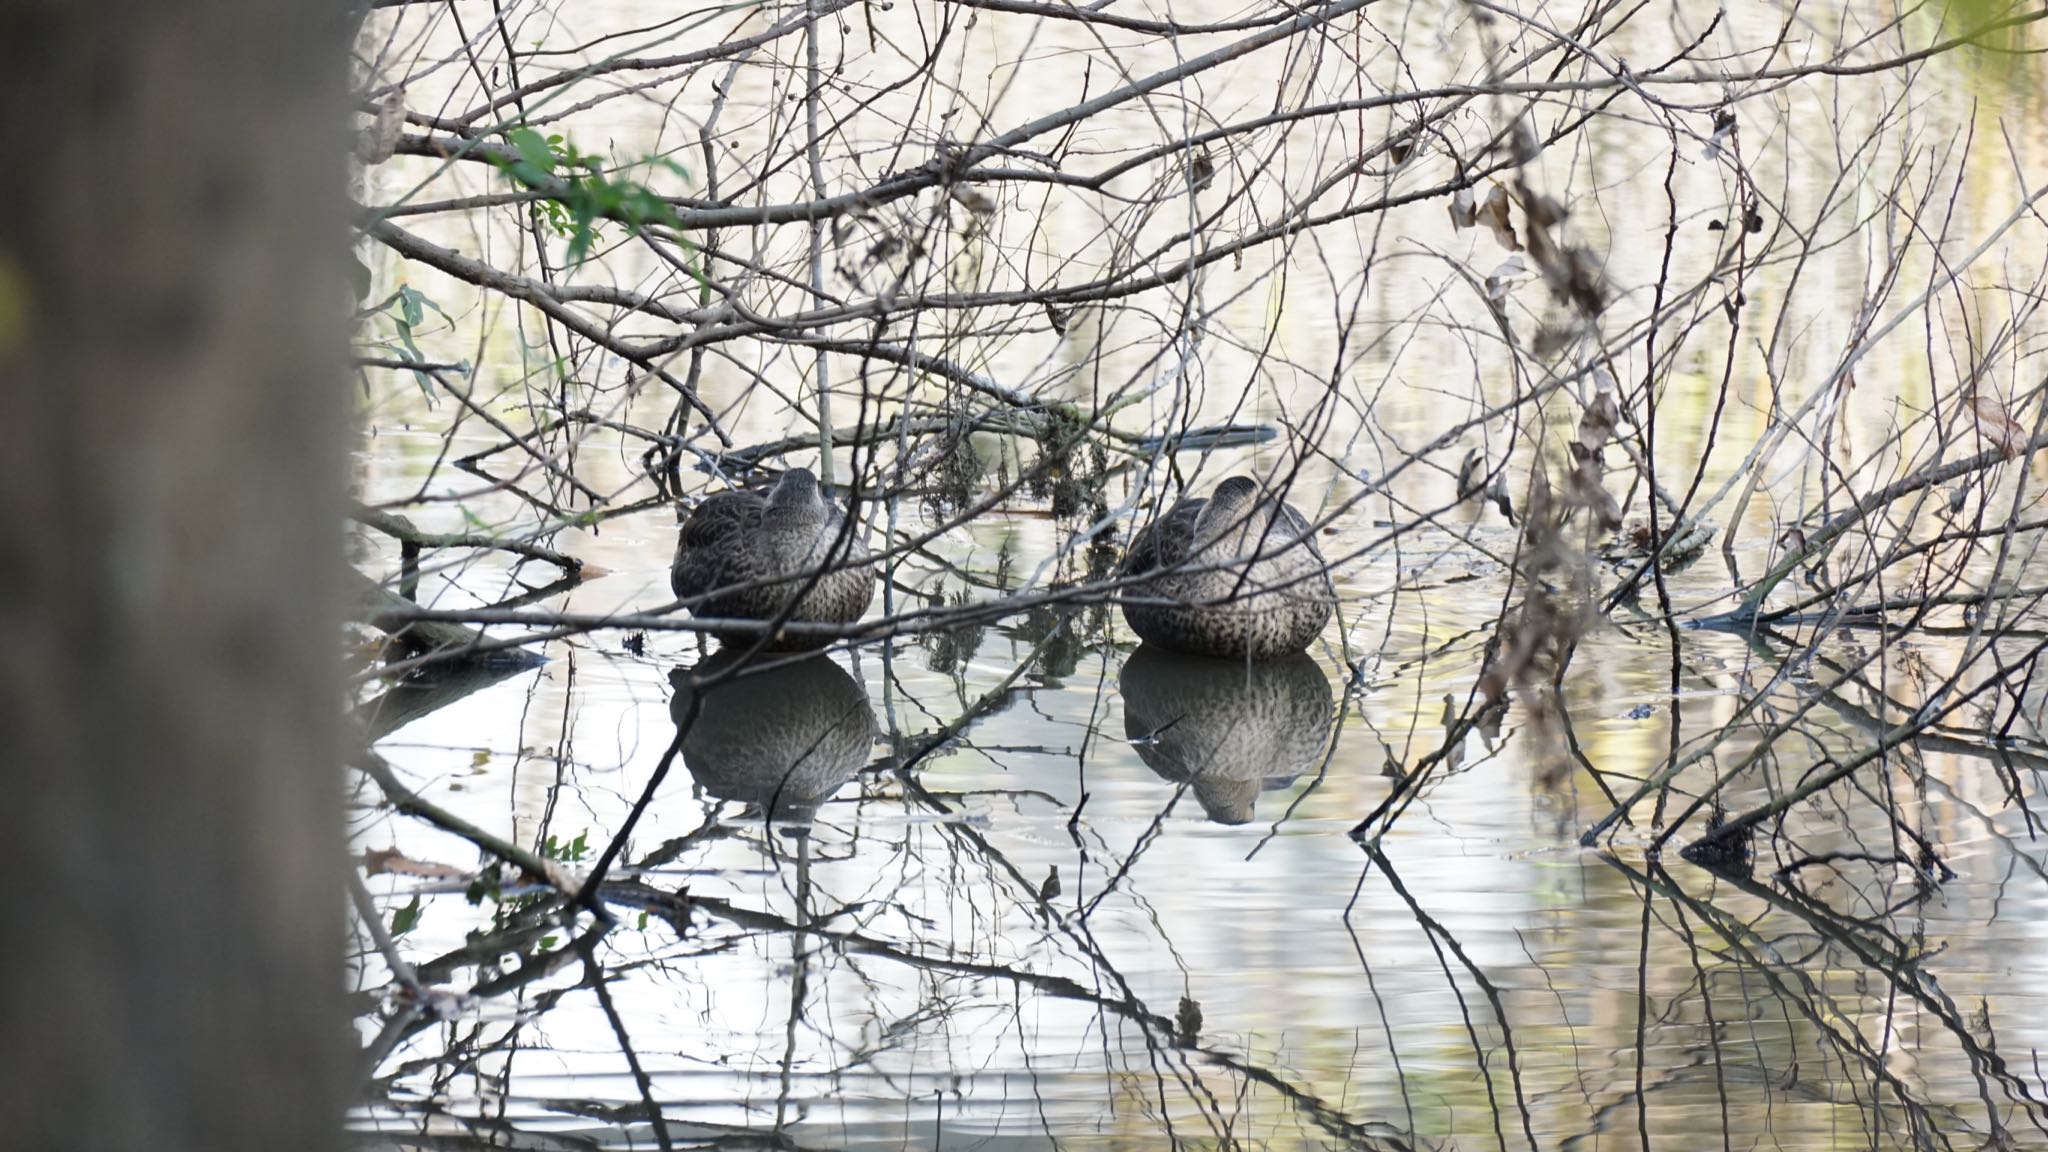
[
  {"x": 720, "y": 517},
  {"x": 1164, "y": 542},
  {"x": 714, "y": 527}
]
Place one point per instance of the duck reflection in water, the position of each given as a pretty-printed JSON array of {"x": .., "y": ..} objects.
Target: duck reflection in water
[
  {"x": 781, "y": 739},
  {"x": 1226, "y": 728}
]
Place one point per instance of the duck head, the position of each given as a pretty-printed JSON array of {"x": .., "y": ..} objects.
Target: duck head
[
  {"x": 1229, "y": 508},
  {"x": 796, "y": 499}
]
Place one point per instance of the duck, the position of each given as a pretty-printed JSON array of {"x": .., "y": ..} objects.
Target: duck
[
  {"x": 1236, "y": 574},
  {"x": 765, "y": 550},
  {"x": 1227, "y": 729},
  {"x": 780, "y": 740}
]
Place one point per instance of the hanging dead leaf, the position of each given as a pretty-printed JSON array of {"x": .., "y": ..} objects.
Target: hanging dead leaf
[
  {"x": 1724, "y": 130},
  {"x": 1589, "y": 493},
  {"x": 1541, "y": 211},
  {"x": 1498, "y": 491},
  {"x": 1464, "y": 209},
  {"x": 1536, "y": 512},
  {"x": 1503, "y": 276},
  {"x": 1401, "y": 147},
  {"x": 1598, "y": 422},
  {"x": 1494, "y": 214},
  {"x": 1471, "y": 475},
  {"x": 376, "y": 143},
  {"x": 1996, "y": 427},
  {"x": 974, "y": 201}
]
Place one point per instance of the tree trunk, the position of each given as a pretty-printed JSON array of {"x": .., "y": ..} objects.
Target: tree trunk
[{"x": 171, "y": 308}]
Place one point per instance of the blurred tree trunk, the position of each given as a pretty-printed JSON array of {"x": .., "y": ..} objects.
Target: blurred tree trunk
[{"x": 171, "y": 323}]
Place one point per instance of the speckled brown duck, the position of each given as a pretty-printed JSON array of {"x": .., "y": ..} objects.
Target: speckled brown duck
[
  {"x": 781, "y": 740},
  {"x": 1226, "y": 728},
  {"x": 1236, "y": 574},
  {"x": 764, "y": 550}
]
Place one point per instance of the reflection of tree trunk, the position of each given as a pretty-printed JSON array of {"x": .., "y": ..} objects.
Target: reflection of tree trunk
[{"x": 170, "y": 465}]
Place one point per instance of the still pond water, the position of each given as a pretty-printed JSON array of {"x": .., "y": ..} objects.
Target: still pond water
[{"x": 1221, "y": 964}]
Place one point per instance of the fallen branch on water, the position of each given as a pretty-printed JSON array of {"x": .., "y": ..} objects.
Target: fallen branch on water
[{"x": 403, "y": 530}]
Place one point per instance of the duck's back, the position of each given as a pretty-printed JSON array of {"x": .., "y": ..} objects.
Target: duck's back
[
  {"x": 1166, "y": 541},
  {"x": 714, "y": 528}
]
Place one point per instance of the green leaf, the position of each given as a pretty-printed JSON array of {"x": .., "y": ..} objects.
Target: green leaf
[
  {"x": 425, "y": 381},
  {"x": 415, "y": 303},
  {"x": 532, "y": 148},
  {"x": 404, "y": 920},
  {"x": 484, "y": 887},
  {"x": 527, "y": 174},
  {"x": 547, "y": 942},
  {"x": 643, "y": 921}
]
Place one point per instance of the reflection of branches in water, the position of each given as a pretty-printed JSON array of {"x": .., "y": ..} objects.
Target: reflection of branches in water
[
  {"x": 1800, "y": 951},
  {"x": 817, "y": 936},
  {"x": 1865, "y": 947},
  {"x": 1797, "y": 948},
  {"x": 1440, "y": 938}
]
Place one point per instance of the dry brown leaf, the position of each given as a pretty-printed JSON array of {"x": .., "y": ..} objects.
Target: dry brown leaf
[
  {"x": 1598, "y": 422},
  {"x": 1471, "y": 475},
  {"x": 1996, "y": 427},
  {"x": 1502, "y": 277},
  {"x": 392, "y": 862},
  {"x": 1540, "y": 210},
  {"x": 974, "y": 201},
  {"x": 375, "y": 144},
  {"x": 1536, "y": 516},
  {"x": 1498, "y": 492},
  {"x": 1494, "y": 214},
  {"x": 1572, "y": 272},
  {"x": 1464, "y": 210},
  {"x": 1592, "y": 495},
  {"x": 1401, "y": 147}
]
